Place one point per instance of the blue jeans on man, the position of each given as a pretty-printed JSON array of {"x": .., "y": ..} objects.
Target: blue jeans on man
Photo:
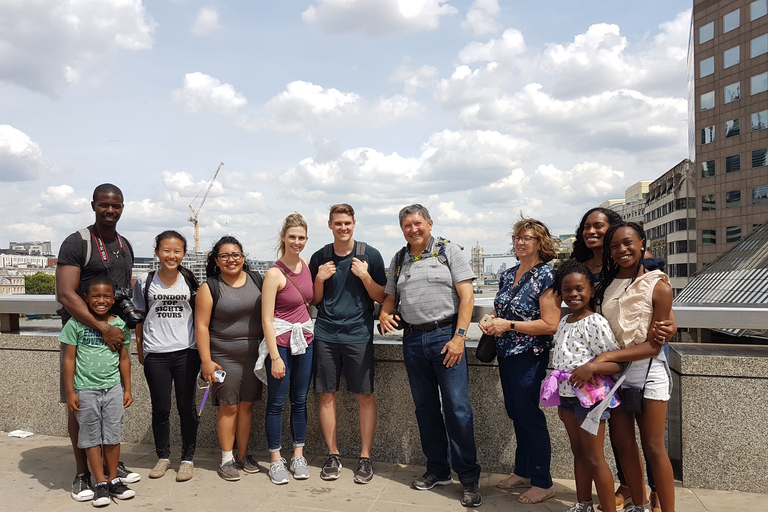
[{"x": 432, "y": 383}]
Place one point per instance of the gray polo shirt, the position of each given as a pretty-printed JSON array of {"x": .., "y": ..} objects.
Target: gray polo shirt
[{"x": 427, "y": 287}]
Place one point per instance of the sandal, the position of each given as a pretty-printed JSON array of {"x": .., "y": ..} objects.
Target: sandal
[
  {"x": 521, "y": 482},
  {"x": 528, "y": 500}
]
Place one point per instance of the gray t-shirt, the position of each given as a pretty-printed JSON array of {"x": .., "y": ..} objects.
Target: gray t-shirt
[
  {"x": 427, "y": 286},
  {"x": 169, "y": 325}
]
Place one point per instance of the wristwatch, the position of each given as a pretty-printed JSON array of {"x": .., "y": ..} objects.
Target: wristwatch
[
  {"x": 461, "y": 332},
  {"x": 512, "y": 325}
]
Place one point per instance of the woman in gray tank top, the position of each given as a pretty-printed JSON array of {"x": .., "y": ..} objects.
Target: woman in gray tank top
[{"x": 228, "y": 335}]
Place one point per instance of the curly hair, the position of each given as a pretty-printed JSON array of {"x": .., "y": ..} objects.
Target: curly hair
[
  {"x": 571, "y": 266},
  {"x": 580, "y": 251},
  {"x": 547, "y": 244}
]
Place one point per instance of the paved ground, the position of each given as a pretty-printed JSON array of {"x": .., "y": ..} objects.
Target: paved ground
[{"x": 36, "y": 474}]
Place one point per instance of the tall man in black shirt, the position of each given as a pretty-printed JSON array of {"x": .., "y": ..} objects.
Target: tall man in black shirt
[{"x": 95, "y": 250}]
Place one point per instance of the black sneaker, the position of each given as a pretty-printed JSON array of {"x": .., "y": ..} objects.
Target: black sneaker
[
  {"x": 472, "y": 497},
  {"x": 101, "y": 495},
  {"x": 81, "y": 487},
  {"x": 332, "y": 467},
  {"x": 119, "y": 490},
  {"x": 364, "y": 473},
  {"x": 126, "y": 475},
  {"x": 429, "y": 480}
]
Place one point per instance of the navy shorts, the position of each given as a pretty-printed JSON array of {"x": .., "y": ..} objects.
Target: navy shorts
[{"x": 572, "y": 404}]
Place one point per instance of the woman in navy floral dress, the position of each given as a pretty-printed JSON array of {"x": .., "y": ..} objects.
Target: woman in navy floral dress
[{"x": 527, "y": 314}]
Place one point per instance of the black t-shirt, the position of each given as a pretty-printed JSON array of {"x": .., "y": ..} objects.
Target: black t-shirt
[{"x": 119, "y": 266}]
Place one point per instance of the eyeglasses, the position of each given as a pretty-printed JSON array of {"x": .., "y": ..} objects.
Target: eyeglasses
[
  {"x": 235, "y": 256},
  {"x": 525, "y": 239}
]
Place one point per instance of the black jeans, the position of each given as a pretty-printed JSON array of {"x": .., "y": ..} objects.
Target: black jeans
[{"x": 180, "y": 369}]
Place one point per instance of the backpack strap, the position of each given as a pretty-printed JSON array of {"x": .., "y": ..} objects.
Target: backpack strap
[
  {"x": 85, "y": 234},
  {"x": 327, "y": 253},
  {"x": 150, "y": 276},
  {"x": 214, "y": 285},
  {"x": 360, "y": 248}
]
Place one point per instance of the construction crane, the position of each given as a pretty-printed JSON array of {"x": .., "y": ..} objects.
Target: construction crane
[{"x": 193, "y": 218}]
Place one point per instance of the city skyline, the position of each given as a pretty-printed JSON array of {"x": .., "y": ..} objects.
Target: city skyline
[{"x": 477, "y": 109}]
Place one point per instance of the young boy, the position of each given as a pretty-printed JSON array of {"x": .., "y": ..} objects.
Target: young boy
[{"x": 92, "y": 376}]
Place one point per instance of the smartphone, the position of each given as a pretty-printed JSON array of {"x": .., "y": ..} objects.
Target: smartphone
[
  {"x": 219, "y": 375},
  {"x": 486, "y": 320}
]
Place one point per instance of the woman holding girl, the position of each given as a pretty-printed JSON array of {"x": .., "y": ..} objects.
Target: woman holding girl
[
  {"x": 228, "y": 331},
  {"x": 633, "y": 300},
  {"x": 580, "y": 337},
  {"x": 588, "y": 249},
  {"x": 166, "y": 347},
  {"x": 526, "y": 317},
  {"x": 288, "y": 334}
]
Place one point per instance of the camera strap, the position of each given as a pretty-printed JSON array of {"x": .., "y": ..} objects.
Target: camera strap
[{"x": 104, "y": 253}]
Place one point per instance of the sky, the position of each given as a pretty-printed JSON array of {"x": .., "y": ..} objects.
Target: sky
[{"x": 480, "y": 110}]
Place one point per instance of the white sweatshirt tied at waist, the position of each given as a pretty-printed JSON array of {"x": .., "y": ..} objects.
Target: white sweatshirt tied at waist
[{"x": 298, "y": 343}]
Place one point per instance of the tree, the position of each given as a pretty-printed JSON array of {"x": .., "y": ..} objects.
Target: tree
[{"x": 40, "y": 284}]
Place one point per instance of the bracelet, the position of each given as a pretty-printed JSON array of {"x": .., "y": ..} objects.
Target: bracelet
[{"x": 274, "y": 358}]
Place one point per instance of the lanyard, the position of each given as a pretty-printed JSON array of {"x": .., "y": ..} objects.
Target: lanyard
[{"x": 102, "y": 247}]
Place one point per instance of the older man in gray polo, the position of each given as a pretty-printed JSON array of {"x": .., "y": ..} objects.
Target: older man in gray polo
[{"x": 433, "y": 284}]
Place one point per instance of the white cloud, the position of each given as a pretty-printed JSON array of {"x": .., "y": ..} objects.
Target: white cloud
[
  {"x": 47, "y": 44},
  {"x": 505, "y": 49},
  {"x": 207, "y": 22},
  {"x": 377, "y": 17},
  {"x": 481, "y": 17},
  {"x": 304, "y": 104},
  {"x": 21, "y": 159},
  {"x": 414, "y": 79},
  {"x": 204, "y": 92},
  {"x": 62, "y": 199}
]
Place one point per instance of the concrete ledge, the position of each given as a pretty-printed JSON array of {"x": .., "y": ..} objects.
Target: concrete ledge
[{"x": 719, "y": 441}]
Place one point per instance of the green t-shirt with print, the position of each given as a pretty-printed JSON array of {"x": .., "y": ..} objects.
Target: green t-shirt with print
[{"x": 96, "y": 366}]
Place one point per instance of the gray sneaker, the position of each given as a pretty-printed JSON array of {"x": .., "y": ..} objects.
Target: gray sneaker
[
  {"x": 332, "y": 467},
  {"x": 277, "y": 472},
  {"x": 247, "y": 464},
  {"x": 364, "y": 473},
  {"x": 299, "y": 468},
  {"x": 639, "y": 508},
  {"x": 229, "y": 472},
  {"x": 160, "y": 468},
  {"x": 582, "y": 506},
  {"x": 81, "y": 487},
  {"x": 185, "y": 471}
]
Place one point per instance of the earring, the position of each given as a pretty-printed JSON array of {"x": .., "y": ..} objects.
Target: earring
[{"x": 216, "y": 270}]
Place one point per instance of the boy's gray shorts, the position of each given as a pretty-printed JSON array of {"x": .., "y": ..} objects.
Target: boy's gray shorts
[{"x": 100, "y": 417}]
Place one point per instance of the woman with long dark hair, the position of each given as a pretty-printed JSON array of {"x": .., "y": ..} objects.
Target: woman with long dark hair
[
  {"x": 167, "y": 349},
  {"x": 228, "y": 333}
]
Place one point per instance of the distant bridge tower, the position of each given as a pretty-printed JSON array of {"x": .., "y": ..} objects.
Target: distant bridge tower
[{"x": 478, "y": 261}]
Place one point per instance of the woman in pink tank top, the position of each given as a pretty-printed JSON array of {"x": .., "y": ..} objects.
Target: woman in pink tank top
[{"x": 286, "y": 293}]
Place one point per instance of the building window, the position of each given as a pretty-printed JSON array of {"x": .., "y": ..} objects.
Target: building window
[
  {"x": 732, "y": 234},
  {"x": 760, "y": 195},
  {"x": 731, "y": 21},
  {"x": 732, "y": 163},
  {"x": 681, "y": 224},
  {"x": 760, "y": 120},
  {"x": 757, "y": 9},
  {"x": 732, "y": 92},
  {"x": 707, "y": 100},
  {"x": 758, "y": 46},
  {"x": 731, "y": 57},
  {"x": 706, "y": 67},
  {"x": 708, "y": 202},
  {"x": 708, "y": 134},
  {"x": 759, "y": 157},
  {"x": 707, "y": 32},
  {"x": 733, "y": 199},
  {"x": 708, "y": 236},
  {"x": 758, "y": 83},
  {"x": 681, "y": 246},
  {"x": 732, "y": 128}
]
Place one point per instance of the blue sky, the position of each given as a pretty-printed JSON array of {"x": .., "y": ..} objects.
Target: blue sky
[{"x": 479, "y": 110}]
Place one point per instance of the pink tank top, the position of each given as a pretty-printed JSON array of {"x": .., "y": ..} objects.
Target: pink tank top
[{"x": 290, "y": 305}]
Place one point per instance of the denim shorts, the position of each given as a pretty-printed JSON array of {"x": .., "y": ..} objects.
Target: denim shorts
[
  {"x": 100, "y": 417},
  {"x": 572, "y": 404}
]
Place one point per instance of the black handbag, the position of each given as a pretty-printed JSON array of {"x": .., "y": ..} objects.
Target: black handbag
[
  {"x": 632, "y": 399},
  {"x": 486, "y": 348}
]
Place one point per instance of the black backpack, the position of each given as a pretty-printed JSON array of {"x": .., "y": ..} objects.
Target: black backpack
[{"x": 359, "y": 252}]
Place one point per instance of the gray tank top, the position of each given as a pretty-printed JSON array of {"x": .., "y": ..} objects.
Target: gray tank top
[{"x": 238, "y": 313}]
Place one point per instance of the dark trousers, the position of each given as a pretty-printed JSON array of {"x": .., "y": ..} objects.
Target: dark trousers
[
  {"x": 180, "y": 370},
  {"x": 521, "y": 377}
]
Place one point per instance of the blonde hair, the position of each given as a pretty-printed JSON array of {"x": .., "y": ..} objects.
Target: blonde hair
[
  {"x": 547, "y": 244},
  {"x": 293, "y": 220}
]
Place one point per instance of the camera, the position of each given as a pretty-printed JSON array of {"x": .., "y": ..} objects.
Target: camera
[
  {"x": 128, "y": 311},
  {"x": 219, "y": 375},
  {"x": 398, "y": 318}
]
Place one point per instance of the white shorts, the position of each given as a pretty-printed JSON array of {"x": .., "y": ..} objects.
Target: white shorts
[{"x": 658, "y": 384}]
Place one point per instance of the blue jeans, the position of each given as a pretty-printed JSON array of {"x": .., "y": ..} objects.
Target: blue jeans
[
  {"x": 431, "y": 382},
  {"x": 298, "y": 372},
  {"x": 521, "y": 377}
]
